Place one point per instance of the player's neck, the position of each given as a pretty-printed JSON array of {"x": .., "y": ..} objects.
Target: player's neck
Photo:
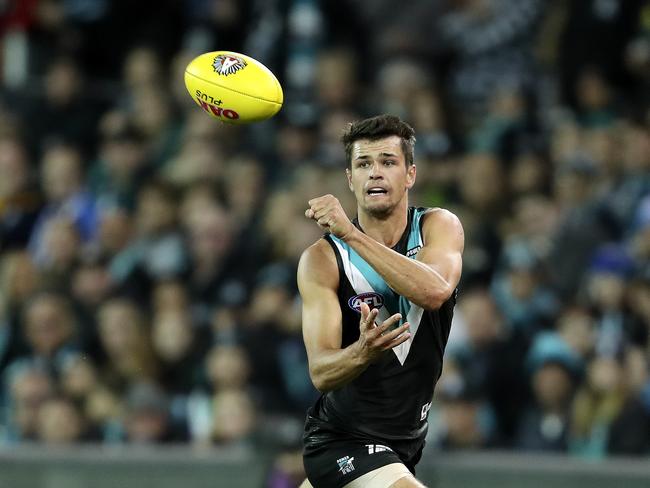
[{"x": 388, "y": 229}]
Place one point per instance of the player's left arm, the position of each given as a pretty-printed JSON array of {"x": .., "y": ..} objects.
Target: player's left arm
[{"x": 430, "y": 279}]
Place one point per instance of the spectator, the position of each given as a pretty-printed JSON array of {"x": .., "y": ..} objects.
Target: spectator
[
  {"x": 115, "y": 233},
  {"x": 125, "y": 343},
  {"x": 62, "y": 111},
  {"x": 581, "y": 228},
  {"x": 20, "y": 280},
  {"x": 122, "y": 164},
  {"x": 465, "y": 419},
  {"x": 29, "y": 386},
  {"x": 263, "y": 338},
  {"x": 529, "y": 174},
  {"x": 199, "y": 159},
  {"x": 78, "y": 378},
  {"x": 594, "y": 99},
  {"x": 492, "y": 43},
  {"x": 63, "y": 245},
  {"x": 480, "y": 189},
  {"x": 147, "y": 417},
  {"x": 103, "y": 410},
  {"x": 555, "y": 370},
  {"x": 489, "y": 358},
  {"x": 19, "y": 201},
  {"x": 607, "y": 417},
  {"x": 66, "y": 198},
  {"x": 596, "y": 34},
  {"x": 59, "y": 422},
  {"x": 577, "y": 329},
  {"x": 49, "y": 326},
  {"x": 158, "y": 250},
  {"x": 245, "y": 190},
  {"x": 336, "y": 79},
  {"x": 90, "y": 286},
  {"x": 287, "y": 470},
  {"x": 606, "y": 286},
  {"x": 638, "y": 300},
  {"x": 523, "y": 298},
  {"x": 234, "y": 417},
  {"x": 544, "y": 426},
  {"x": 154, "y": 116},
  {"x": 214, "y": 260},
  {"x": 170, "y": 296},
  {"x": 142, "y": 68},
  {"x": 179, "y": 348},
  {"x": 171, "y": 241}
]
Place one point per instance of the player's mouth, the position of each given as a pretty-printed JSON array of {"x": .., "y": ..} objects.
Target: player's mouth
[{"x": 376, "y": 191}]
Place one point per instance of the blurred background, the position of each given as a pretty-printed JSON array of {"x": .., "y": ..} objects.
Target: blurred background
[{"x": 150, "y": 325}]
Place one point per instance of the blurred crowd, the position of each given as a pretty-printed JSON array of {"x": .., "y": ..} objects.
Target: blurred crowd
[{"x": 148, "y": 252}]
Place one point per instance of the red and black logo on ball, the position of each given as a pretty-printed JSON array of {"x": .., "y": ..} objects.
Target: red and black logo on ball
[{"x": 212, "y": 105}]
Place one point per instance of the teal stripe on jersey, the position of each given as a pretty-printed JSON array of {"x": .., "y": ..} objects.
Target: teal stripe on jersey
[
  {"x": 393, "y": 302},
  {"x": 376, "y": 281},
  {"x": 415, "y": 239}
]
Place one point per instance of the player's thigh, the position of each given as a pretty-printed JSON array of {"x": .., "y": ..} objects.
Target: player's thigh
[
  {"x": 407, "y": 482},
  {"x": 390, "y": 475}
]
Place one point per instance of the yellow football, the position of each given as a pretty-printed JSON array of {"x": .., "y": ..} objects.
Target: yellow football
[{"x": 233, "y": 87}]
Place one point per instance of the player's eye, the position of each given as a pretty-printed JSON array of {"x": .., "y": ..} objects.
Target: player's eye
[{"x": 389, "y": 162}]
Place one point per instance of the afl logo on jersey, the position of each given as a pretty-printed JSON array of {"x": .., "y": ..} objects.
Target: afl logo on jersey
[{"x": 374, "y": 300}]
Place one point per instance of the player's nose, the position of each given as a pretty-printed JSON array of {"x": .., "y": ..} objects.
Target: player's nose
[{"x": 375, "y": 171}]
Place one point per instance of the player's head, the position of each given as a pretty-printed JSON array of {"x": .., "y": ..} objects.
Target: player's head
[
  {"x": 380, "y": 127},
  {"x": 380, "y": 171}
]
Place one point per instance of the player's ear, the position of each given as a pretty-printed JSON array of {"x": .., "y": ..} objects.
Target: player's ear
[
  {"x": 348, "y": 173},
  {"x": 411, "y": 173}
]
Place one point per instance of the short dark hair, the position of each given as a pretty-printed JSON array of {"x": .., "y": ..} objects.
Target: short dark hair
[{"x": 377, "y": 128}]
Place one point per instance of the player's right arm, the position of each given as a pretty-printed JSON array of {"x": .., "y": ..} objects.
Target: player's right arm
[{"x": 331, "y": 366}]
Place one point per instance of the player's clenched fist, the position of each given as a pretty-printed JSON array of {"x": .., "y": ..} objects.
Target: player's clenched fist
[
  {"x": 375, "y": 339},
  {"x": 329, "y": 215}
]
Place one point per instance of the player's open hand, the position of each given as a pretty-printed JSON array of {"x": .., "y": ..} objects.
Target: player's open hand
[
  {"x": 375, "y": 339},
  {"x": 330, "y": 216}
]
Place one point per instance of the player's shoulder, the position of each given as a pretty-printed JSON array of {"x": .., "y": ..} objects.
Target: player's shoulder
[
  {"x": 439, "y": 216},
  {"x": 318, "y": 264},
  {"x": 319, "y": 251},
  {"x": 440, "y": 220}
]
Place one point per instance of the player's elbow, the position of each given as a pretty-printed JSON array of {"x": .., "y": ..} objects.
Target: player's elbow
[
  {"x": 320, "y": 381},
  {"x": 324, "y": 379},
  {"x": 437, "y": 298}
]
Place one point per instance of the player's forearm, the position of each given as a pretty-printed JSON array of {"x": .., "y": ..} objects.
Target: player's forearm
[
  {"x": 419, "y": 283},
  {"x": 333, "y": 369}
]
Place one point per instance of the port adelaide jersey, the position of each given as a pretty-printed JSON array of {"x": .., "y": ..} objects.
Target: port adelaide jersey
[{"x": 392, "y": 397}]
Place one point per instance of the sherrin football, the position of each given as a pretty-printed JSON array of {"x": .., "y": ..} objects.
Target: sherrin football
[{"x": 233, "y": 87}]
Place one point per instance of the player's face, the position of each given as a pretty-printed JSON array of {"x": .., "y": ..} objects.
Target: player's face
[{"x": 378, "y": 175}]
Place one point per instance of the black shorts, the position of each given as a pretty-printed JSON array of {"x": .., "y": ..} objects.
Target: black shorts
[{"x": 333, "y": 457}]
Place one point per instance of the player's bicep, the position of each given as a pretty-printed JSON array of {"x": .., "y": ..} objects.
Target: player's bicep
[
  {"x": 321, "y": 321},
  {"x": 444, "y": 241},
  {"x": 321, "y": 314}
]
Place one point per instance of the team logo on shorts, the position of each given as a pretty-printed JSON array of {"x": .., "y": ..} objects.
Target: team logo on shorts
[
  {"x": 374, "y": 300},
  {"x": 227, "y": 65},
  {"x": 345, "y": 464}
]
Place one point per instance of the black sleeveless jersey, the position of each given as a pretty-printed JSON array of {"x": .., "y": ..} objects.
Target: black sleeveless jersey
[{"x": 392, "y": 397}]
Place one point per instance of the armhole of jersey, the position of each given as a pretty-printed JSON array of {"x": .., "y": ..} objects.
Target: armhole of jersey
[
  {"x": 339, "y": 261},
  {"x": 423, "y": 211}
]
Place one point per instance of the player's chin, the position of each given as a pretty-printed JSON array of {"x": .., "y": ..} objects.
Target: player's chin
[{"x": 379, "y": 209}]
